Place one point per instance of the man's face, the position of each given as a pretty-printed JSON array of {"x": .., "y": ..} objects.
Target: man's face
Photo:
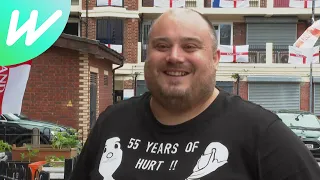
[{"x": 180, "y": 59}]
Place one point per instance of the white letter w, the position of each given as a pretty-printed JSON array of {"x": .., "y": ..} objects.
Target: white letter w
[{"x": 29, "y": 26}]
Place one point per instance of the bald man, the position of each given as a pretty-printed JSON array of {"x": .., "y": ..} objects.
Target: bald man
[{"x": 185, "y": 128}]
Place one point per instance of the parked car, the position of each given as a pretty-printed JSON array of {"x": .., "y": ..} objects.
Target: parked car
[
  {"x": 305, "y": 125},
  {"x": 17, "y": 129}
]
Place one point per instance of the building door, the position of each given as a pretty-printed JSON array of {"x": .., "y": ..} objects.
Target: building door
[{"x": 93, "y": 98}]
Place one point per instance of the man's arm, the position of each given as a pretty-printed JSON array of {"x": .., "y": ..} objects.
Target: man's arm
[{"x": 283, "y": 156}]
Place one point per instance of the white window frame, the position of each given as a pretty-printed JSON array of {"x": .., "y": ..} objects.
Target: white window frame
[{"x": 218, "y": 34}]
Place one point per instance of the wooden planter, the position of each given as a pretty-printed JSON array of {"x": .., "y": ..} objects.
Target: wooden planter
[{"x": 44, "y": 150}]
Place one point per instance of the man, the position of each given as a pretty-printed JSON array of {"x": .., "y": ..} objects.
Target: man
[{"x": 185, "y": 128}]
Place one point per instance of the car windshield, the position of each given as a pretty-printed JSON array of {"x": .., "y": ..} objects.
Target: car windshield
[
  {"x": 11, "y": 116},
  {"x": 300, "y": 120}
]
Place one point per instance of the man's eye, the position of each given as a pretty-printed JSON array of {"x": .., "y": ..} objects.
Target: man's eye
[
  {"x": 162, "y": 46},
  {"x": 190, "y": 47}
]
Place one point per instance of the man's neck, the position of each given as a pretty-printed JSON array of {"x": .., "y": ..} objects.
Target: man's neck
[{"x": 167, "y": 117}]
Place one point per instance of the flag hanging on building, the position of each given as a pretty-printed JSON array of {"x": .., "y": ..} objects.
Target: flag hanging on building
[
  {"x": 116, "y": 47},
  {"x": 169, "y": 3},
  {"x": 303, "y": 55},
  {"x": 303, "y": 3},
  {"x": 309, "y": 37},
  {"x": 234, "y": 53},
  {"x": 234, "y": 3},
  {"x": 109, "y": 3},
  {"x": 13, "y": 82}
]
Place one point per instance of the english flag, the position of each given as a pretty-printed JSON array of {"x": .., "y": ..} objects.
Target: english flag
[
  {"x": 109, "y": 3},
  {"x": 169, "y": 3},
  {"x": 303, "y": 55},
  {"x": 309, "y": 37},
  {"x": 234, "y": 3},
  {"x": 303, "y": 3},
  {"x": 234, "y": 53},
  {"x": 115, "y": 47},
  {"x": 13, "y": 82}
]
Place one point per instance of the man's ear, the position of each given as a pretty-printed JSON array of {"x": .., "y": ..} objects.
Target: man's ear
[{"x": 217, "y": 57}]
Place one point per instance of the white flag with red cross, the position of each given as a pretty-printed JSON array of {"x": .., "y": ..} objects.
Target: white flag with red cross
[
  {"x": 309, "y": 37},
  {"x": 13, "y": 82},
  {"x": 303, "y": 55},
  {"x": 303, "y": 3},
  {"x": 109, "y": 2},
  {"x": 169, "y": 3},
  {"x": 116, "y": 47},
  {"x": 233, "y": 54},
  {"x": 234, "y": 3}
]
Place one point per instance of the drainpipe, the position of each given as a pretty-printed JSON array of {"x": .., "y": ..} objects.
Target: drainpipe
[
  {"x": 113, "y": 82},
  {"x": 87, "y": 24},
  {"x": 238, "y": 84}
]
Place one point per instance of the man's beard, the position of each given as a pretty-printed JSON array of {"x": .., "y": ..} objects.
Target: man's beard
[{"x": 177, "y": 100}]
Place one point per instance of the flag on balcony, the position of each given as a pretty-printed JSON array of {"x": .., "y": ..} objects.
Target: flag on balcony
[
  {"x": 303, "y": 55},
  {"x": 233, "y": 54},
  {"x": 234, "y": 3},
  {"x": 309, "y": 37},
  {"x": 303, "y": 3},
  {"x": 169, "y": 3},
  {"x": 13, "y": 82},
  {"x": 109, "y": 3},
  {"x": 115, "y": 47}
]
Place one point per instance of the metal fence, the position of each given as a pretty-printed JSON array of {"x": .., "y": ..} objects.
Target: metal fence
[{"x": 14, "y": 170}]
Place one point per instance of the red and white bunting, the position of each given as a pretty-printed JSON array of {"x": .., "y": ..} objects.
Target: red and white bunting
[
  {"x": 309, "y": 37},
  {"x": 303, "y": 3},
  {"x": 115, "y": 47},
  {"x": 13, "y": 82},
  {"x": 109, "y": 3},
  {"x": 234, "y": 3},
  {"x": 233, "y": 54},
  {"x": 303, "y": 55},
  {"x": 169, "y": 3}
]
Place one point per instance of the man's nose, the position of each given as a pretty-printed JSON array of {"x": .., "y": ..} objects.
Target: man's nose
[{"x": 175, "y": 55}]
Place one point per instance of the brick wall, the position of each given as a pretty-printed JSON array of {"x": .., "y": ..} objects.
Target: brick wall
[
  {"x": 53, "y": 82},
  {"x": 239, "y": 33},
  {"x": 131, "y": 37},
  {"x": 304, "y": 96},
  {"x": 128, "y": 84},
  {"x": 131, "y": 4},
  {"x": 301, "y": 27},
  {"x": 243, "y": 89},
  {"x": 91, "y": 4},
  {"x": 105, "y": 91},
  {"x": 92, "y": 22}
]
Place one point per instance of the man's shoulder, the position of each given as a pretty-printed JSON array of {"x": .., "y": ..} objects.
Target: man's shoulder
[
  {"x": 248, "y": 110},
  {"x": 125, "y": 107}
]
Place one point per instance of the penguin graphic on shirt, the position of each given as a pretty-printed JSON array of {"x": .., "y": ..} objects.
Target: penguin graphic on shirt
[
  {"x": 214, "y": 156},
  {"x": 111, "y": 158}
]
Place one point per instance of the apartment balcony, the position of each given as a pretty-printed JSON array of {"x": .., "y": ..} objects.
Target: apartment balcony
[{"x": 110, "y": 3}]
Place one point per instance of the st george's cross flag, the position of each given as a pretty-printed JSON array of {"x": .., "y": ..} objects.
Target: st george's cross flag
[
  {"x": 116, "y": 47},
  {"x": 234, "y": 54},
  {"x": 309, "y": 37},
  {"x": 169, "y": 3},
  {"x": 303, "y": 55},
  {"x": 109, "y": 2},
  {"x": 303, "y": 3},
  {"x": 13, "y": 82},
  {"x": 232, "y": 3}
]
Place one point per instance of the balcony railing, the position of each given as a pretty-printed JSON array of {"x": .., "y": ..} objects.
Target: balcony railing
[
  {"x": 203, "y": 3},
  {"x": 113, "y": 3},
  {"x": 258, "y": 54}
]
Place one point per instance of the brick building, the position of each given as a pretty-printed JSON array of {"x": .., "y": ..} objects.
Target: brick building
[
  {"x": 267, "y": 26},
  {"x": 71, "y": 83}
]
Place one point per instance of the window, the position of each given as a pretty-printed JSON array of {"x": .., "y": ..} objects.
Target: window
[
  {"x": 110, "y": 31},
  {"x": 146, "y": 25},
  {"x": 72, "y": 28},
  {"x": 224, "y": 33}
]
